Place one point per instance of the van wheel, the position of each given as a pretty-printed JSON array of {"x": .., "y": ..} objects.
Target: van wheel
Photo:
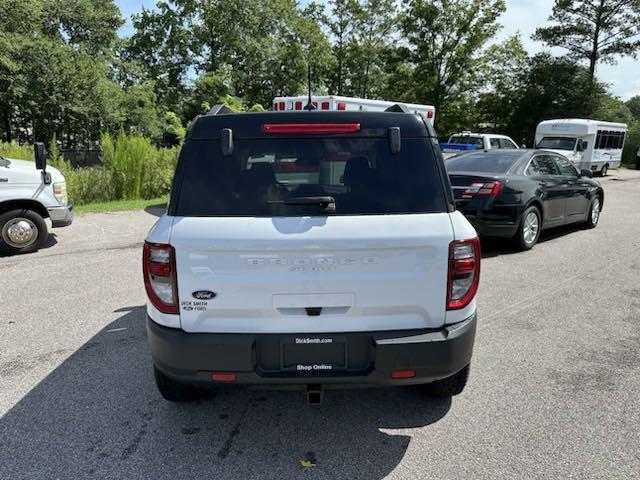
[
  {"x": 21, "y": 231},
  {"x": 447, "y": 387},
  {"x": 605, "y": 169},
  {"x": 175, "y": 391},
  {"x": 594, "y": 212},
  {"x": 529, "y": 230}
]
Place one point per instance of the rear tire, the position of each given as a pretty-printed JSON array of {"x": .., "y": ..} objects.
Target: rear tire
[
  {"x": 603, "y": 172},
  {"x": 450, "y": 386},
  {"x": 175, "y": 391},
  {"x": 594, "y": 212},
  {"x": 21, "y": 231},
  {"x": 529, "y": 230}
]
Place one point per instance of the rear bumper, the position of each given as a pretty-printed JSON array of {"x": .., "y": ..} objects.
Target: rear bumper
[
  {"x": 494, "y": 229},
  {"x": 61, "y": 216},
  {"x": 193, "y": 357},
  {"x": 498, "y": 222}
]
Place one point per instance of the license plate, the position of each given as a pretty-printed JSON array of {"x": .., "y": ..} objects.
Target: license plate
[{"x": 314, "y": 354}]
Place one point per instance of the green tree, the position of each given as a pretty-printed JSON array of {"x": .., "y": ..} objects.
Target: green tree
[
  {"x": 594, "y": 30},
  {"x": 552, "y": 88},
  {"x": 502, "y": 81},
  {"x": 90, "y": 24},
  {"x": 161, "y": 49},
  {"x": 208, "y": 89},
  {"x": 445, "y": 41},
  {"x": 633, "y": 104}
]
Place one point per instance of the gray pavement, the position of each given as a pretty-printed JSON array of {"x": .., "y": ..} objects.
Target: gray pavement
[{"x": 554, "y": 389}]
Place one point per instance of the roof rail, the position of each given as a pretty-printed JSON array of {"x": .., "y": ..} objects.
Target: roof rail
[
  {"x": 219, "y": 109},
  {"x": 398, "y": 107}
]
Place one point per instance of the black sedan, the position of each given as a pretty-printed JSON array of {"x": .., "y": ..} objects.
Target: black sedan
[{"x": 518, "y": 193}]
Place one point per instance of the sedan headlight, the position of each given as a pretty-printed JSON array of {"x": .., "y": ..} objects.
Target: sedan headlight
[{"x": 60, "y": 192}]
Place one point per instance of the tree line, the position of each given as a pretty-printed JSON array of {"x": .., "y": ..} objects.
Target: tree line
[{"x": 66, "y": 74}]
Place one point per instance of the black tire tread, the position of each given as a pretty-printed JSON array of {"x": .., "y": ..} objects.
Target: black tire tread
[
  {"x": 518, "y": 239},
  {"x": 450, "y": 386},
  {"x": 31, "y": 215},
  {"x": 175, "y": 391}
]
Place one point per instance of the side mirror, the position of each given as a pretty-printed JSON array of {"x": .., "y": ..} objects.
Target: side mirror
[
  {"x": 41, "y": 160},
  {"x": 586, "y": 173}
]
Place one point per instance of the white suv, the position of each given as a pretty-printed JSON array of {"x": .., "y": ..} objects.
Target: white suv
[{"x": 311, "y": 249}]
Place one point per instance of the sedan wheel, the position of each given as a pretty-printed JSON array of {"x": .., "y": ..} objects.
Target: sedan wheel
[
  {"x": 529, "y": 230},
  {"x": 594, "y": 213},
  {"x": 531, "y": 227}
]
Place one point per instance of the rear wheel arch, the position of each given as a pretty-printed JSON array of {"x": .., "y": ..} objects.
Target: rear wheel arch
[
  {"x": 538, "y": 204},
  {"x": 26, "y": 204},
  {"x": 600, "y": 193}
]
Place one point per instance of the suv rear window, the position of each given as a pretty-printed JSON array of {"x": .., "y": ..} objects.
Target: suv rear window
[{"x": 359, "y": 173}]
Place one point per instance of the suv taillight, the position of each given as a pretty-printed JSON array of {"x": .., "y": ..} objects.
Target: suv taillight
[
  {"x": 159, "y": 268},
  {"x": 490, "y": 189},
  {"x": 464, "y": 272}
]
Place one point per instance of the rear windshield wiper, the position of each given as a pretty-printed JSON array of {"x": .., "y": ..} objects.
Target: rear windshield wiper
[{"x": 326, "y": 203}]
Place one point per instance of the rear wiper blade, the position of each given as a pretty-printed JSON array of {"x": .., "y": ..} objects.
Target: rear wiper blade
[{"x": 327, "y": 203}]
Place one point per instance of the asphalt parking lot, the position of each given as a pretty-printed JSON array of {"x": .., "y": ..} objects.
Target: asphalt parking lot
[{"x": 554, "y": 389}]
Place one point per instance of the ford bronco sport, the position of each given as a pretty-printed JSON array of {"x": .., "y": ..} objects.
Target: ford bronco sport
[{"x": 312, "y": 249}]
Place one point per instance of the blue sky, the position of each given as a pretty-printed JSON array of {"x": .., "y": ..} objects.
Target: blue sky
[{"x": 521, "y": 16}]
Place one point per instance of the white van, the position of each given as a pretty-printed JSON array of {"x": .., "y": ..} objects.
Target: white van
[
  {"x": 334, "y": 102},
  {"x": 29, "y": 193},
  {"x": 590, "y": 144}
]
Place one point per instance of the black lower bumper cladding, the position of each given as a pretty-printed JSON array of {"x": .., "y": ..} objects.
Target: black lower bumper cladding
[{"x": 348, "y": 359}]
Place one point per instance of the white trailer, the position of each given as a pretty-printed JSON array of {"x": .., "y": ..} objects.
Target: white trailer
[
  {"x": 334, "y": 102},
  {"x": 590, "y": 144}
]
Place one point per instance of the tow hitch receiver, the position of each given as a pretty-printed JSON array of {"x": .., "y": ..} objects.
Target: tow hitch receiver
[{"x": 315, "y": 394}]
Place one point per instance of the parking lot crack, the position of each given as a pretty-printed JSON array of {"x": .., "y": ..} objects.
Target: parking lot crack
[{"x": 228, "y": 443}]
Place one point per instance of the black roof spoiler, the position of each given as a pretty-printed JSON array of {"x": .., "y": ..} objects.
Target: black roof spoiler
[
  {"x": 219, "y": 109},
  {"x": 398, "y": 107}
]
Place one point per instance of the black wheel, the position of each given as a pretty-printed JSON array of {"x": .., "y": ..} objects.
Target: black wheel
[
  {"x": 447, "y": 387},
  {"x": 21, "y": 231},
  {"x": 594, "y": 212},
  {"x": 175, "y": 391},
  {"x": 529, "y": 230},
  {"x": 605, "y": 169}
]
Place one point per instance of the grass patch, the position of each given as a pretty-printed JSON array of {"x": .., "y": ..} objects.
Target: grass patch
[{"x": 121, "y": 205}]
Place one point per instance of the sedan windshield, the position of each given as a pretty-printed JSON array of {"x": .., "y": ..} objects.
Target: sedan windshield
[
  {"x": 483, "y": 162},
  {"x": 557, "y": 143}
]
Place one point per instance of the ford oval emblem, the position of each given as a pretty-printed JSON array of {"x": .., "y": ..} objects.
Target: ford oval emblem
[{"x": 204, "y": 295}]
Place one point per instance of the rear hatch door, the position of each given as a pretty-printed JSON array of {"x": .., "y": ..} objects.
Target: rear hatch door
[{"x": 377, "y": 260}]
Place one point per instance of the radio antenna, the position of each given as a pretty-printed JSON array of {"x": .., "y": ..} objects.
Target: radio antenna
[{"x": 309, "y": 106}]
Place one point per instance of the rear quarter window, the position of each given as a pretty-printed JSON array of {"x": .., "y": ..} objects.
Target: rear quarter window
[{"x": 262, "y": 174}]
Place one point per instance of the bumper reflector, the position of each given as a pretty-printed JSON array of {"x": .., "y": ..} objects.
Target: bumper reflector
[
  {"x": 403, "y": 374},
  {"x": 223, "y": 377}
]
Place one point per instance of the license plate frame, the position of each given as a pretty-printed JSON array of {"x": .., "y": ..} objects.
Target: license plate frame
[{"x": 314, "y": 354}]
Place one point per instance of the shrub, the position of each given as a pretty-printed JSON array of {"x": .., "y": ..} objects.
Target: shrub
[
  {"x": 14, "y": 150},
  {"x": 132, "y": 169}
]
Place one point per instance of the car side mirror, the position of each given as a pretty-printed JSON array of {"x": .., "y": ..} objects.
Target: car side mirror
[
  {"x": 41, "y": 160},
  {"x": 586, "y": 173}
]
